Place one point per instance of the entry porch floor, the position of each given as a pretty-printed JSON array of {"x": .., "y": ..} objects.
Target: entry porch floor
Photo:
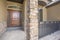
[{"x": 13, "y": 34}]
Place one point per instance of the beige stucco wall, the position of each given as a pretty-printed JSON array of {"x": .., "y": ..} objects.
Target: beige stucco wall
[
  {"x": 53, "y": 13},
  {"x": 39, "y": 6},
  {"x": 3, "y": 16},
  {"x": 44, "y": 14}
]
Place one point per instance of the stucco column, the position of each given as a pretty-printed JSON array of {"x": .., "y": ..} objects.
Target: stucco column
[
  {"x": 3, "y": 16},
  {"x": 44, "y": 14},
  {"x": 31, "y": 19}
]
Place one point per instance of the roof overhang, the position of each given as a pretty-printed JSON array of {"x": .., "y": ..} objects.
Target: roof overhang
[{"x": 52, "y": 3}]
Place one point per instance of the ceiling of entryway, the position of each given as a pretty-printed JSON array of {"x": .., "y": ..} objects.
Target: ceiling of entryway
[{"x": 19, "y": 1}]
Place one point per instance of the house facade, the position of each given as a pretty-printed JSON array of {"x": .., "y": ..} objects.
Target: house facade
[{"x": 28, "y": 15}]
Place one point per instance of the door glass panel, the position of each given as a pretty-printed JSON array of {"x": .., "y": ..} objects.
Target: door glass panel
[{"x": 16, "y": 15}]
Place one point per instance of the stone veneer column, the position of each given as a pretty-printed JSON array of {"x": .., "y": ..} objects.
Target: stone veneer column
[
  {"x": 31, "y": 19},
  {"x": 3, "y": 16}
]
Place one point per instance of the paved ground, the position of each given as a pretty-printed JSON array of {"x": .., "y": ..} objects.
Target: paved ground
[
  {"x": 13, "y": 35},
  {"x": 53, "y": 36},
  {"x": 18, "y": 34}
]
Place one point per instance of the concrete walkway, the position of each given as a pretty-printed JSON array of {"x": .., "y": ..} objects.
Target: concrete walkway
[
  {"x": 53, "y": 36},
  {"x": 13, "y": 35}
]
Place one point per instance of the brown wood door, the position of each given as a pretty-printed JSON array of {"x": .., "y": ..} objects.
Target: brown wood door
[{"x": 13, "y": 18}]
